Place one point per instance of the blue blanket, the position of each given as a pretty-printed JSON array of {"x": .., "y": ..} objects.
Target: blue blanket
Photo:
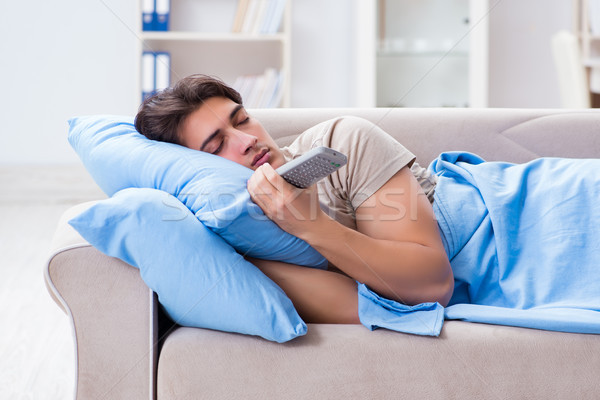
[{"x": 523, "y": 241}]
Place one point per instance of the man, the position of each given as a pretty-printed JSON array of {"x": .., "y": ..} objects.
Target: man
[{"x": 374, "y": 222}]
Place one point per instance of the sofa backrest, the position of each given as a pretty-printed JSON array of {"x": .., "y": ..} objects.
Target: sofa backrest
[{"x": 501, "y": 134}]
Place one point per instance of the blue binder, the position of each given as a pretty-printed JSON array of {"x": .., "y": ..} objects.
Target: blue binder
[
  {"x": 156, "y": 15},
  {"x": 148, "y": 15},
  {"x": 162, "y": 9}
]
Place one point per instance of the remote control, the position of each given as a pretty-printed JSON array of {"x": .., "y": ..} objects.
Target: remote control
[{"x": 312, "y": 166}]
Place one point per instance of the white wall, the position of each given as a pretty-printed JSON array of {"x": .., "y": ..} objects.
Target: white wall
[
  {"x": 60, "y": 59},
  {"x": 323, "y": 53},
  {"x": 76, "y": 57},
  {"x": 521, "y": 69}
]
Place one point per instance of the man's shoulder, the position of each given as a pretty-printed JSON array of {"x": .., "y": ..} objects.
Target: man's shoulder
[{"x": 336, "y": 133}]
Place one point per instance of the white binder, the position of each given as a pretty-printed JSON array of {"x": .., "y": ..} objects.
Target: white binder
[
  {"x": 148, "y": 74},
  {"x": 163, "y": 70}
]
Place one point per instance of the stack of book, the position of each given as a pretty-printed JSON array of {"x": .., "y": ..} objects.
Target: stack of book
[
  {"x": 258, "y": 16},
  {"x": 261, "y": 91}
]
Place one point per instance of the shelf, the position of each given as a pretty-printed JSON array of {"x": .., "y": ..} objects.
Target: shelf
[
  {"x": 215, "y": 37},
  {"x": 592, "y": 62},
  {"x": 433, "y": 53},
  {"x": 588, "y": 36}
]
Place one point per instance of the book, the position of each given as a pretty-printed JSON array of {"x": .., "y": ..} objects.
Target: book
[
  {"x": 261, "y": 90},
  {"x": 277, "y": 96},
  {"x": 251, "y": 11},
  {"x": 259, "y": 17},
  {"x": 276, "y": 17},
  {"x": 240, "y": 13},
  {"x": 264, "y": 27},
  {"x": 269, "y": 87},
  {"x": 257, "y": 88}
]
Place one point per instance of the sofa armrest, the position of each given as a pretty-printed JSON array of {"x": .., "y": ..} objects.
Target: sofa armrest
[{"x": 113, "y": 315}]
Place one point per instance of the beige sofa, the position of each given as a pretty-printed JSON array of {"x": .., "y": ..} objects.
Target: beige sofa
[{"x": 127, "y": 350}]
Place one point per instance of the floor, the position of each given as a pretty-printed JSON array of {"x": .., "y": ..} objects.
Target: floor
[{"x": 36, "y": 342}]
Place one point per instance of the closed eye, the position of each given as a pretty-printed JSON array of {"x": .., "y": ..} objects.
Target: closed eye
[
  {"x": 219, "y": 147},
  {"x": 244, "y": 121}
]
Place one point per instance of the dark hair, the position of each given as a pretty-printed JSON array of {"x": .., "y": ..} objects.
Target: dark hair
[{"x": 159, "y": 116}]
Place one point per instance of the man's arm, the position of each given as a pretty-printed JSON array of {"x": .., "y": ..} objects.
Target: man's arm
[
  {"x": 396, "y": 251},
  {"x": 319, "y": 296}
]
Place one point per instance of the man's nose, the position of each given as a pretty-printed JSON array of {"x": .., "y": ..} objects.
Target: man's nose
[{"x": 246, "y": 141}]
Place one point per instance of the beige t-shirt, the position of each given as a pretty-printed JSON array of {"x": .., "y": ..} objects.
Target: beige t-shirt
[{"x": 341, "y": 193}]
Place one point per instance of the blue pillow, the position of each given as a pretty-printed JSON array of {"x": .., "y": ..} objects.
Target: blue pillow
[
  {"x": 201, "y": 281},
  {"x": 213, "y": 188}
]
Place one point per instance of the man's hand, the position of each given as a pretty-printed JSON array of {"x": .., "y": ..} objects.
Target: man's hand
[{"x": 294, "y": 210}]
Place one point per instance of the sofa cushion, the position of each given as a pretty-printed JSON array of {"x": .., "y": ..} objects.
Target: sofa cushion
[
  {"x": 201, "y": 281},
  {"x": 468, "y": 361}
]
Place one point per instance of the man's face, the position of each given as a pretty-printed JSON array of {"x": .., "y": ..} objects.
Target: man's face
[{"x": 224, "y": 128}]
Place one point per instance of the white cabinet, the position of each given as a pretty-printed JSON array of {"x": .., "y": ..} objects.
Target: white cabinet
[
  {"x": 423, "y": 53},
  {"x": 201, "y": 39}
]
